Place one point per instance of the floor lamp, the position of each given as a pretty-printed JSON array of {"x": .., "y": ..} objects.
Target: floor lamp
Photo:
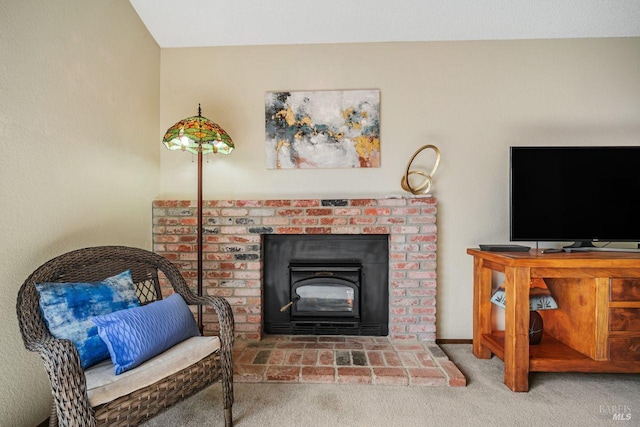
[{"x": 198, "y": 135}]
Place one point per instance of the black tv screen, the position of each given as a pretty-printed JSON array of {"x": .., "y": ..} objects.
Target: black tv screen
[{"x": 580, "y": 194}]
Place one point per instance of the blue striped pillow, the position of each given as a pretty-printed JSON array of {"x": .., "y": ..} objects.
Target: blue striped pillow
[{"x": 68, "y": 307}]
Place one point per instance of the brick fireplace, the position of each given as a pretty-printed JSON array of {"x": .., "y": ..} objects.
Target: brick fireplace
[{"x": 233, "y": 259}]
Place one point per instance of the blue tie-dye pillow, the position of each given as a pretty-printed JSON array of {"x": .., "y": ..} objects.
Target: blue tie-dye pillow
[{"x": 67, "y": 307}]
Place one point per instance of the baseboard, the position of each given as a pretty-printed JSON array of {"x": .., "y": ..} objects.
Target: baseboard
[{"x": 454, "y": 341}]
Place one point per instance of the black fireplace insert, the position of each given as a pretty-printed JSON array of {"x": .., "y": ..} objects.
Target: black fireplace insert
[{"x": 326, "y": 285}]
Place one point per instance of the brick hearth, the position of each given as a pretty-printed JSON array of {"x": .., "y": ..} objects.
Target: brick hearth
[
  {"x": 232, "y": 250},
  {"x": 344, "y": 360}
]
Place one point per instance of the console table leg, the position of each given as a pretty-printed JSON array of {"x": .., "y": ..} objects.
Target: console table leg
[
  {"x": 481, "y": 307},
  {"x": 516, "y": 338}
]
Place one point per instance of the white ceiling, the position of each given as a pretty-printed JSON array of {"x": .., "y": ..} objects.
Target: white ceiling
[{"x": 192, "y": 23}]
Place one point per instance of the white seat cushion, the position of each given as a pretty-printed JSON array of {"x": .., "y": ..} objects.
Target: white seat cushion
[{"x": 103, "y": 385}]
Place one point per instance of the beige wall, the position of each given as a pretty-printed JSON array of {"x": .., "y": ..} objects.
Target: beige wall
[
  {"x": 79, "y": 85},
  {"x": 471, "y": 99},
  {"x": 85, "y": 74}
]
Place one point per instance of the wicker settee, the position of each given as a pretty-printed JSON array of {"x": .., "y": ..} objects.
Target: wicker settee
[{"x": 71, "y": 405}]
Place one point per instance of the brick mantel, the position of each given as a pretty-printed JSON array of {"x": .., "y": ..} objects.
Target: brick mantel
[{"x": 233, "y": 250}]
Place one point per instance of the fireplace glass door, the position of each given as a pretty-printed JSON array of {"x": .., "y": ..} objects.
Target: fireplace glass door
[{"x": 325, "y": 296}]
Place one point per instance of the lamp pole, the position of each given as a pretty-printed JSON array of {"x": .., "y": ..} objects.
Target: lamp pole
[{"x": 200, "y": 236}]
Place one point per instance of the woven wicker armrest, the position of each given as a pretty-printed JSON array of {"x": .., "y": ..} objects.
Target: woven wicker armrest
[
  {"x": 226, "y": 323},
  {"x": 68, "y": 383},
  {"x": 224, "y": 312}
]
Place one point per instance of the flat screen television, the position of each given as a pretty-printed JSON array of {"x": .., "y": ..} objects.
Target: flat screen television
[{"x": 575, "y": 194}]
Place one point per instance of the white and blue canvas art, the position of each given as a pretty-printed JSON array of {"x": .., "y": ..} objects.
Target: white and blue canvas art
[{"x": 322, "y": 129}]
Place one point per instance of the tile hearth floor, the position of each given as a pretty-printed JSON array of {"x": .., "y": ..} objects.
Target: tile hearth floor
[{"x": 344, "y": 359}]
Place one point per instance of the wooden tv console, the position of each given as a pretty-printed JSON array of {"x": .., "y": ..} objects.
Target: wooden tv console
[{"x": 596, "y": 327}]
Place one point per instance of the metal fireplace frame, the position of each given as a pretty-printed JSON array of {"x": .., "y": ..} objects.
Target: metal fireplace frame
[{"x": 358, "y": 262}]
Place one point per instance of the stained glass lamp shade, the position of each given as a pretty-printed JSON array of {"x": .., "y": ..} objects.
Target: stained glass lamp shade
[
  {"x": 198, "y": 135},
  {"x": 194, "y": 132}
]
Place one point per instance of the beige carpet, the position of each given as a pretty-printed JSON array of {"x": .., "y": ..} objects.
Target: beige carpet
[{"x": 553, "y": 400}]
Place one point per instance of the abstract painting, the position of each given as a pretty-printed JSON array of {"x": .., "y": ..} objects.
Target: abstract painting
[{"x": 322, "y": 129}]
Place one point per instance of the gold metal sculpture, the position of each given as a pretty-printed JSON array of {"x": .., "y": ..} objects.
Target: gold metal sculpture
[{"x": 424, "y": 186}]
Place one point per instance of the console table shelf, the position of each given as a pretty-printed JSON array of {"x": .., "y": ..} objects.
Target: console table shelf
[
  {"x": 595, "y": 329},
  {"x": 553, "y": 356}
]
